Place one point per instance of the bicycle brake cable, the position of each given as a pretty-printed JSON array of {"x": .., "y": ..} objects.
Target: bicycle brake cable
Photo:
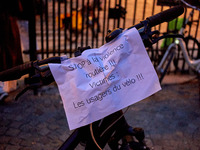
[
  {"x": 93, "y": 138},
  {"x": 91, "y": 130},
  {"x": 114, "y": 122}
]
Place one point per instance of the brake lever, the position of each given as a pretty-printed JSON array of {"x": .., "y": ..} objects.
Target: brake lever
[
  {"x": 79, "y": 51},
  {"x": 148, "y": 36},
  {"x": 167, "y": 36},
  {"x": 33, "y": 86},
  {"x": 33, "y": 82},
  {"x": 39, "y": 79},
  {"x": 151, "y": 37}
]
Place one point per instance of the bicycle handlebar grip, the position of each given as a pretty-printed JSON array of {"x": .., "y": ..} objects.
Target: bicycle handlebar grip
[
  {"x": 165, "y": 16},
  {"x": 15, "y": 72}
]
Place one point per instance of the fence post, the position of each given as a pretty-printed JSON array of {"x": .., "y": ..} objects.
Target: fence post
[{"x": 32, "y": 31}]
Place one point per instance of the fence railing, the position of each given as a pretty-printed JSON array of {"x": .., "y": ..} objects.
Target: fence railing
[{"x": 64, "y": 25}]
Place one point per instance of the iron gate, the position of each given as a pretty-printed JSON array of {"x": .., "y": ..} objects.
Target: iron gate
[{"x": 63, "y": 25}]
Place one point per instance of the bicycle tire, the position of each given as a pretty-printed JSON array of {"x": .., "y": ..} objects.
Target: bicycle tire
[{"x": 192, "y": 46}]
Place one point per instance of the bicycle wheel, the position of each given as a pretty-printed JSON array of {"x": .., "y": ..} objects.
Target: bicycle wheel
[
  {"x": 166, "y": 64},
  {"x": 193, "y": 47}
]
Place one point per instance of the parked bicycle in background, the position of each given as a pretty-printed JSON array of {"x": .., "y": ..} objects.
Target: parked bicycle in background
[{"x": 185, "y": 46}]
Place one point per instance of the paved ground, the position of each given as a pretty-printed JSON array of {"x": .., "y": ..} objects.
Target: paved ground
[{"x": 170, "y": 118}]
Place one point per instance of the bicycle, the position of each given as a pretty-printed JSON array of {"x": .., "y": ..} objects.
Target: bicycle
[
  {"x": 112, "y": 129},
  {"x": 183, "y": 45}
]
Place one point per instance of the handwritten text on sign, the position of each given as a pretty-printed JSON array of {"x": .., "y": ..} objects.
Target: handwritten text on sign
[{"x": 104, "y": 80}]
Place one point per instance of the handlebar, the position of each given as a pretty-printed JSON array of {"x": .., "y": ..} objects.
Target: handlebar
[
  {"x": 164, "y": 16},
  {"x": 18, "y": 71},
  {"x": 23, "y": 69}
]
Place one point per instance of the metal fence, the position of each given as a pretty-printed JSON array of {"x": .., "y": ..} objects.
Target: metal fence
[{"x": 63, "y": 25}]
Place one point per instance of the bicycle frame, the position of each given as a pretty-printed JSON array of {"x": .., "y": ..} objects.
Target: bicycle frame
[
  {"x": 104, "y": 129},
  {"x": 164, "y": 58},
  {"x": 194, "y": 64}
]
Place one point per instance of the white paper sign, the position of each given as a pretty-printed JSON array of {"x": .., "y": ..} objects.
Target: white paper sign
[{"x": 104, "y": 80}]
